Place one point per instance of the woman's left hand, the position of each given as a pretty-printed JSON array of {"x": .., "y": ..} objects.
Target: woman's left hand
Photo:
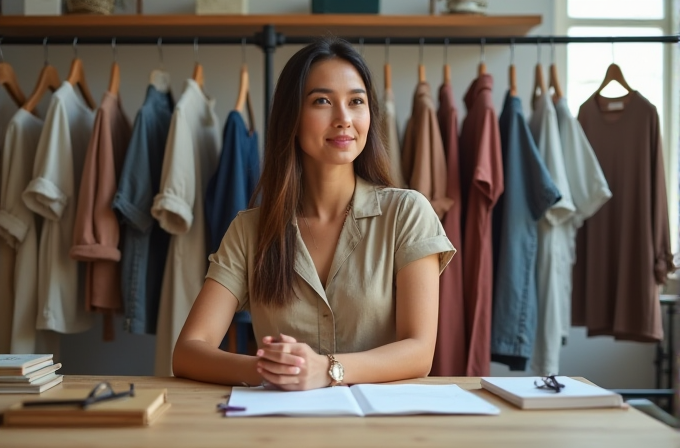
[{"x": 291, "y": 365}]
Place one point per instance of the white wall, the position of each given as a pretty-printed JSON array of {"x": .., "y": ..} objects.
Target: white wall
[{"x": 609, "y": 363}]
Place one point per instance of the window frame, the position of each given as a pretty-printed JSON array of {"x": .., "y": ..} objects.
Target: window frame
[{"x": 670, "y": 25}]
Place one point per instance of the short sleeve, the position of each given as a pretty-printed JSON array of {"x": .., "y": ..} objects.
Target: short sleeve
[
  {"x": 420, "y": 233},
  {"x": 229, "y": 265},
  {"x": 173, "y": 205}
]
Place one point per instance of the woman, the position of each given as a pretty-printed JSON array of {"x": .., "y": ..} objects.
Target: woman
[{"x": 338, "y": 270}]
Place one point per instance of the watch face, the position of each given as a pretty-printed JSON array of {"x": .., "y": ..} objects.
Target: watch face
[{"x": 337, "y": 371}]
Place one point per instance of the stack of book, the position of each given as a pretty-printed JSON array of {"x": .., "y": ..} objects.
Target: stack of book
[{"x": 28, "y": 374}]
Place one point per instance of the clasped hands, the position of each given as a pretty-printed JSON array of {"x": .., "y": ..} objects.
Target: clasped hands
[{"x": 287, "y": 364}]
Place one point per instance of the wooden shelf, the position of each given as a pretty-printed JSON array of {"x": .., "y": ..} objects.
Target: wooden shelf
[{"x": 364, "y": 25}]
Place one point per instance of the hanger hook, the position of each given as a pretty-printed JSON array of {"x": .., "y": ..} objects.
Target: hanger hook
[
  {"x": 552, "y": 51},
  {"x": 75, "y": 47},
  {"x": 2, "y": 56},
  {"x": 613, "y": 57},
  {"x": 538, "y": 50},
  {"x": 45, "y": 51},
  {"x": 113, "y": 47},
  {"x": 243, "y": 49},
  {"x": 482, "y": 54},
  {"x": 361, "y": 46},
  {"x": 160, "y": 49},
  {"x": 512, "y": 51},
  {"x": 446, "y": 50},
  {"x": 422, "y": 44},
  {"x": 387, "y": 50},
  {"x": 196, "y": 49}
]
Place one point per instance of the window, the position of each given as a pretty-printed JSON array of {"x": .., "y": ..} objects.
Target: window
[{"x": 647, "y": 67}]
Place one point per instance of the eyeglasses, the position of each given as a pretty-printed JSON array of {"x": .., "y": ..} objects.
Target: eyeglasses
[
  {"x": 549, "y": 382},
  {"x": 101, "y": 392}
]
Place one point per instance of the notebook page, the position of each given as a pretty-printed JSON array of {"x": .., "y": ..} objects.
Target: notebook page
[
  {"x": 329, "y": 401},
  {"x": 407, "y": 399}
]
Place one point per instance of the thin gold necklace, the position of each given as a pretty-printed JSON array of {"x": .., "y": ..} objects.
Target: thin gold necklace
[{"x": 309, "y": 229}]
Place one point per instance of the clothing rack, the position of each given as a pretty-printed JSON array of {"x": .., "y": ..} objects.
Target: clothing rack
[{"x": 268, "y": 39}]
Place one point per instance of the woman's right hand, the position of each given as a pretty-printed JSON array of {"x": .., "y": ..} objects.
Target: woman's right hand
[{"x": 291, "y": 365}]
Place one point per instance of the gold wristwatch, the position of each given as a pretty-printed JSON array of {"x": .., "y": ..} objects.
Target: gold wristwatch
[{"x": 335, "y": 371}]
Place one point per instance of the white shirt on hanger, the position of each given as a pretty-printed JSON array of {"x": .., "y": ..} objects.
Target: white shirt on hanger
[
  {"x": 191, "y": 157},
  {"x": 553, "y": 258},
  {"x": 53, "y": 193}
]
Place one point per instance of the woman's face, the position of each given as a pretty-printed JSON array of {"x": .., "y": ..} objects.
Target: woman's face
[{"x": 335, "y": 116}]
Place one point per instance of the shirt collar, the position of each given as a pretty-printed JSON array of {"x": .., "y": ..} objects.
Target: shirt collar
[{"x": 366, "y": 203}]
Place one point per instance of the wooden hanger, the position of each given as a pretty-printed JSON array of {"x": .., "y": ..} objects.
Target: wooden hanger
[
  {"x": 539, "y": 84},
  {"x": 421, "y": 73},
  {"x": 614, "y": 73},
  {"x": 114, "y": 78},
  {"x": 76, "y": 77},
  {"x": 243, "y": 98},
  {"x": 388, "y": 77},
  {"x": 9, "y": 80},
  {"x": 512, "y": 80},
  {"x": 198, "y": 74},
  {"x": 481, "y": 69},
  {"x": 554, "y": 83},
  {"x": 47, "y": 80},
  {"x": 447, "y": 74}
]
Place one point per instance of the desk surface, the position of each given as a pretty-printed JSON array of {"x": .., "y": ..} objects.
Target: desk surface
[{"x": 193, "y": 422}]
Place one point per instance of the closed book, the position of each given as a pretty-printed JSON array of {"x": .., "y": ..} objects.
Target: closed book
[
  {"x": 31, "y": 377},
  {"x": 21, "y": 364},
  {"x": 523, "y": 393},
  {"x": 37, "y": 387},
  {"x": 142, "y": 409}
]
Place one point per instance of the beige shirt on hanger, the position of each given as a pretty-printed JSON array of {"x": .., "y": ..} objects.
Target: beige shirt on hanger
[
  {"x": 191, "y": 157},
  {"x": 53, "y": 195},
  {"x": 18, "y": 230}
]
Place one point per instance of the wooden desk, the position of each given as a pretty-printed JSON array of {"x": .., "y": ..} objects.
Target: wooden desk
[{"x": 193, "y": 422}]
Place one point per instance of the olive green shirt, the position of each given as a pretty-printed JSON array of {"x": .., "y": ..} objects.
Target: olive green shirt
[{"x": 387, "y": 229}]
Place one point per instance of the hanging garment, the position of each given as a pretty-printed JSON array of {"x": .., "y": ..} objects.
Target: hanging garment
[
  {"x": 450, "y": 355},
  {"x": 52, "y": 195},
  {"x": 145, "y": 243},
  {"x": 588, "y": 188},
  {"x": 96, "y": 233},
  {"x": 422, "y": 159},
  {"x": 18, "y": 228},
  {"x": 529, "y": 192},
  {"x": 191, "y": 156},
  {"x": 481, "y": 175},
  {"x": 554, "y": 260},
  {"x": 623, "y": 252},
  {"x": 234, "y": 182},
  {"x": 392, "y": 134},
  {"x": 7, "y": 255}
]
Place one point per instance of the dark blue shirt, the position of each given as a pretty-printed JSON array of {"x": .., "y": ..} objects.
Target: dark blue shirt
[
  {"x": 529, "y": 193},
  {"x": 232, "y": 185},
  {"x": 145, "y": 243}
]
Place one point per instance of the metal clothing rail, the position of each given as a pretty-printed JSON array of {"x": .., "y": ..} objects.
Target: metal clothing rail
[{"x": 269, "y": 39}]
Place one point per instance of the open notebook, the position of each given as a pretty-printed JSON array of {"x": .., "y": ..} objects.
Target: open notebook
[{"x": 360, "y": 400}]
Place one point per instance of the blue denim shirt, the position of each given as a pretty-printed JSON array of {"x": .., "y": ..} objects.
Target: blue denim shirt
[
  {"x": 232, "y": 185},
  {"x": 145, "y": 244},
  {"x": 529, "y": 193}
]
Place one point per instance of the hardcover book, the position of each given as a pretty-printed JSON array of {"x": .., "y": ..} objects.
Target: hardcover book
[
  {"x": 21, "y": 364},
  {"x": 142, "y": 409},
  {"x": 523, "y": 393}
]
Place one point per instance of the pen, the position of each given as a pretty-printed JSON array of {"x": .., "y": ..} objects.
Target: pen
[{"x": 226, "y": 407}]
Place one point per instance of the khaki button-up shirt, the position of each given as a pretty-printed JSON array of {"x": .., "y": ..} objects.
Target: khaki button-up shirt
[{"x": 387, "y": 229}]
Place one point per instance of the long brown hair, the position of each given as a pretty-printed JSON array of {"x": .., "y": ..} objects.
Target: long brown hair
[{"x": 280, "y": 186}]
